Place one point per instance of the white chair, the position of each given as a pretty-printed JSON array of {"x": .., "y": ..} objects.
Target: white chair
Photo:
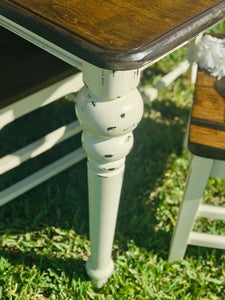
[
  {"x": 31, "y": 78},
  {"x": 207, "y": 145}
]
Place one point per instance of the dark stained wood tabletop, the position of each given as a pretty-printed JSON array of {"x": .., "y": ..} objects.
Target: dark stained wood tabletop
[{"x": 115, "y": 34}]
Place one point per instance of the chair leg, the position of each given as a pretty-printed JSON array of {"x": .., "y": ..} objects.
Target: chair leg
[{"x": 199, "y": 172}]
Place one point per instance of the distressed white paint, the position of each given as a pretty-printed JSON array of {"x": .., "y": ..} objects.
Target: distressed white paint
[
  {"x": 118, "y": 105},
  {"x": 107, "y": 84},
  {"x": 42, "y": 175},
  {"x": 200, "y": 171},
  {"x": 41, "y": 98},
  {"x": 107, "y": 139},
  {"x": 34, "y": 149},
  {"x": 108, "y": 107}
]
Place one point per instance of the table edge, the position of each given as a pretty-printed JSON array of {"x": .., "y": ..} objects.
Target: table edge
[{"x": 119, "y": 60}]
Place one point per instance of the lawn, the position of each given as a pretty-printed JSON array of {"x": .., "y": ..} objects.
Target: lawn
[{"x": 44, "y": 233}]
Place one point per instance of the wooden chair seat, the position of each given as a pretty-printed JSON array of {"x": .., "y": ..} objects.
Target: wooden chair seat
[
  {"x": 207, "y": 145},
  {"x": 26, "y": 69},
  {"x": 207, "y": 128}
]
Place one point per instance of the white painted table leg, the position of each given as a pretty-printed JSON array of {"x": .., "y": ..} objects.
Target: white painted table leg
[
  {"x": 199, "y": 172},
  {"x": 109, "y": 107}
]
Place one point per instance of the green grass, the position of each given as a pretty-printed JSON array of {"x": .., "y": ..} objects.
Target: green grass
[{"x": 44, "y": 233}]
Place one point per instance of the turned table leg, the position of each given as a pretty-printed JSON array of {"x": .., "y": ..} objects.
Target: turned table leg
[{"x": 108, "y": 107}]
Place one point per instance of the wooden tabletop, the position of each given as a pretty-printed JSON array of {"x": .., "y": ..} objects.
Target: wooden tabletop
[{"x": 115, "y": 34}]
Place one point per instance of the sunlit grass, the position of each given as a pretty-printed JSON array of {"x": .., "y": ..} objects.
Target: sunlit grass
[{"x": 44, "y": 233}]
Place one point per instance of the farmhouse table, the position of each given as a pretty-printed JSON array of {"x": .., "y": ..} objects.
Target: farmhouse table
[{"x": 111, "y": 41}]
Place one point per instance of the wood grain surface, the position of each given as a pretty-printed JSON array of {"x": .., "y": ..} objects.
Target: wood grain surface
[
  {"x": 118, "y": 33},
  {"x": 207, "y": 128}
]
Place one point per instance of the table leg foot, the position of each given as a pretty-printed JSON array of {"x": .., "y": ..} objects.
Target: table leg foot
[{"x": 99, "y": 277}]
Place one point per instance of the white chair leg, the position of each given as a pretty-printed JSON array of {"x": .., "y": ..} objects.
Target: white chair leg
[
  {"x": 109, "y": 107},
  {"x": 199, "y": 172}
]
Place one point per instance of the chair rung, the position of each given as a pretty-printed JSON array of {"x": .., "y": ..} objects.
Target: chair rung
[
  {"x": 152, "y": 92},
  {"x": 206, "y": 240},
  {"x": 211, "y": 211},
  {"x": 34, "y": 149},
  {"x": 42, "y": 175}
]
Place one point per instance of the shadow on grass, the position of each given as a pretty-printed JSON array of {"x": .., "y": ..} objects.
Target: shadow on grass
[
  {"x": 155, "y": 141},
  {"x": 51, "y": 266},
  {"x": 62, "y": 201},
  {"x": 72, "y": 267}
]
